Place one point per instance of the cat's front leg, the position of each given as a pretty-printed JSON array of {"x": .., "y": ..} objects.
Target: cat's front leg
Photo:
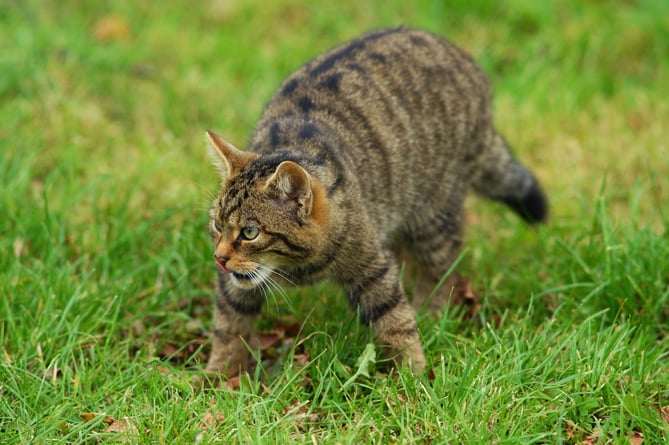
[
  {"x": 381, "y": 302},
  {"x": 234, "y": 319},
  {"x": 398, "y": 329}
]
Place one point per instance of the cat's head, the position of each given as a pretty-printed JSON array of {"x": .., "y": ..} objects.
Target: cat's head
[{"x": 269, "y": 215}]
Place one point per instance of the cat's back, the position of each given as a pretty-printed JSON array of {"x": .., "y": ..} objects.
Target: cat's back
[
  {"x": 386, "y": 90},
  {"x": 394, "y": 114},
  {"x": 411, "y": 63}
]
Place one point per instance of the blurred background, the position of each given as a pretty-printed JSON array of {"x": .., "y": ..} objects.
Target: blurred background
[{"x": 124, "y": 89}]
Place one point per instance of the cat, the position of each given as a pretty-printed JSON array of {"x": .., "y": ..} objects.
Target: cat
[{"x": 363, "y": 154}]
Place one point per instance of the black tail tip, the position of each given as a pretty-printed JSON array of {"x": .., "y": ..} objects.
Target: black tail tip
[{"x": 533, "y": 207}]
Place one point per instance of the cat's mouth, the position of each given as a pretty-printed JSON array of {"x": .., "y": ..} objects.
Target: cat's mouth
[
  {"x": 242, "y": 276},
  {"x": 245, "y": 280}
]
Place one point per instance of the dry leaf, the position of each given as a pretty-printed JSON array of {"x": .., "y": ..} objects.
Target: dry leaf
[
  {"x": 300, "y": 413},
  {"x": 8, "y": 357},
  {"x": 269, "y": 339},
  {"x": 168, "y": 351},
  {"x": 233, "y": 383},
  {"x": 636, "y": 439},
  {"x": 138, "y": 328},
  {"x": 90, "y": 416},
  {"x": 87, "y": 416},
  {"x": 111, "y": 28},
  {"x": 127, "y": 431},
  {"x": 301, "y": 359},
  {"x": 664, "y": 413},
  {"x": 464, "y": 294},
  {"x": 551, "y": 302},
  {"x": 53, "y": 373},
  {"x": 211, "y": 420},
  {"x": 592, "y": 438},
  {"x": 571, "y": 429},
  {"x": 398, "y": 400},
  {"x": 290, "y": 326},
  {"x": 19, "y": 248}
]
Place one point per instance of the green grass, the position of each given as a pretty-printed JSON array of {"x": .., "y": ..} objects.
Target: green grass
[{"x": 104, "y": 185}]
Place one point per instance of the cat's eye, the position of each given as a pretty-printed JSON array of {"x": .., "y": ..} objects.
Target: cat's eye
[
  {"x": 217, "y": 226},
  {"x": 250, "y": 233}
]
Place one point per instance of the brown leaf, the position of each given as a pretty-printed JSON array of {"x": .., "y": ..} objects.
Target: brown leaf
[
  {"x": 398, "y": 400},
  {"x": 551, "y": 302},
  {"x": 464, "y": 293},
  {"x": 233, "y": 383},
  {"x": 571, "y": 429},
  {"x": 168, "y": 351},
  {"x": 90, "y": 416},
  {"x": 53, "y": 373},
  {"x": 127, "y": 431},
  {"x": 20, "y": 248},
  {"x": 87, "y": 416},
  {"x": 301, "y": 359},
  {"x": 270, "y": 339},
  {"x": 138, "y": 328},
  {"x": 299, "y": 413},
  {"x": 592, "y": 438},
  {"x": 636, "y": 439},
  {"x": 8, "y": 357},
  {"x": 290, "y": 326},
  {"x": 194, "y": 326},
  {"x": 664, "y": 412},
  {"x": 211, "y": 420},
  {"x": 111, "y": 28},
  {"x": 88, "y": 345}
]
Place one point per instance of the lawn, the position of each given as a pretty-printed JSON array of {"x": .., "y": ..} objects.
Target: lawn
[{"x": 106, "y": 278}]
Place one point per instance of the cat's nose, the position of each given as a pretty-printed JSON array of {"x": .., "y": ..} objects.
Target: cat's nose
[
  {"x": 221, "y": 258},
  {"x": 221, "y": 261}
]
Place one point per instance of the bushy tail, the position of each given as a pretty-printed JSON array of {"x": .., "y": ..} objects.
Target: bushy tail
[{"x": 502, "y": 178}]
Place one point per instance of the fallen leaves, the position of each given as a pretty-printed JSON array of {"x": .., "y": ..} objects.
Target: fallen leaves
[
  {"x": 636, "y": 439},
  {"x": 664, "y": 413},
  {"x": 463, "y": 294},
  {"x": 298, "y": 412},
  {"x": 122, "y": 429},
  {"x": 211, "y": 420},
  {"x": 272, "y": 347},
  {"x": 111, "y": 28},
  {"x": 20, "y": 248},
  {"x": 579, "y": 435}
]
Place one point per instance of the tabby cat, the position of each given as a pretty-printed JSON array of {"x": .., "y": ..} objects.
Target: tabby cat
[{"x": 363, "y": 154}]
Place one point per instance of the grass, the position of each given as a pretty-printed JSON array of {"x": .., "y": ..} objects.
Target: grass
[{"x": 104, "y": 182}]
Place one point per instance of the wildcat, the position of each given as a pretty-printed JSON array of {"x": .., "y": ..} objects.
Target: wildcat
[{"x": 363, "y": 154}]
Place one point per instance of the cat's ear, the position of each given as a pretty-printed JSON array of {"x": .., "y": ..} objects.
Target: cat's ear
[
  {"x": 227, "y": 158},
  {"x": 292, "y": 183}
]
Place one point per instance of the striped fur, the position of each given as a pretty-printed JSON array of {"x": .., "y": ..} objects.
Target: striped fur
[{"x": 365, "y": 152}]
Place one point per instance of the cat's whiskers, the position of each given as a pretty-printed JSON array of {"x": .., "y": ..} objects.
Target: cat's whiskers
[
  {"x": 262, "y": 281},
  {"x": 209, "y": 197},
  {"x": 274, "y": 286},
  {"x": 282, "y": 274}
]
